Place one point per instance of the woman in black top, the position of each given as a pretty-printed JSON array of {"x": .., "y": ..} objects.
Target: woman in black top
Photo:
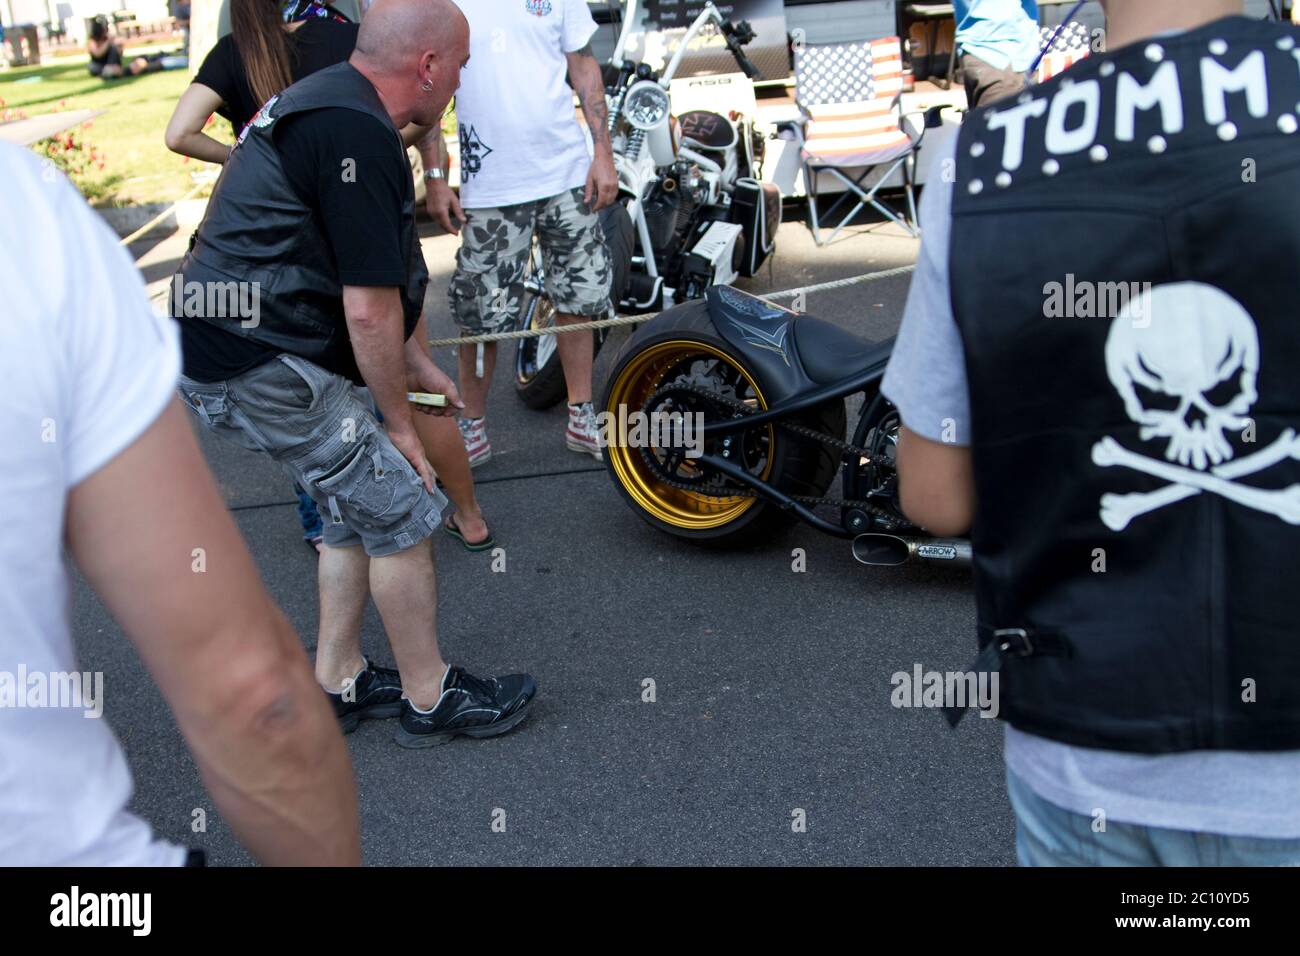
[{"x": 258, "y": 58}]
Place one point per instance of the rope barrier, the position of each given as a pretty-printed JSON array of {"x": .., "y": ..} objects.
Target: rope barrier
[
  {"x": 161, "y": 216},
  {"x": 576, "y": 326},
  {"x": 634, "y": 319}
]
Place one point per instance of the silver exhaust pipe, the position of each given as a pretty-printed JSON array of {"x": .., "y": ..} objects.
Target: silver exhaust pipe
[{"x": 891, "y": 551}]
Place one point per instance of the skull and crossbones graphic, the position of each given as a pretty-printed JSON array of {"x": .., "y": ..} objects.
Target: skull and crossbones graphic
[{"x": 1185, "y": 359}]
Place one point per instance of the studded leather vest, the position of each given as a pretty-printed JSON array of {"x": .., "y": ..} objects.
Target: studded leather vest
[
  {"x": 1125, "y": 247},
  {"x": 257, "y": 230}
]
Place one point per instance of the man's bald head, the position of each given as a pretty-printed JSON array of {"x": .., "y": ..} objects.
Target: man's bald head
[
  {"x": 413, "y": 51},
  {"x": 395, "y": 31}
]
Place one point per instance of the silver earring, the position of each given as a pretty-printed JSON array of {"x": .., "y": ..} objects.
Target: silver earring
[{"x": 426, "y": 87}]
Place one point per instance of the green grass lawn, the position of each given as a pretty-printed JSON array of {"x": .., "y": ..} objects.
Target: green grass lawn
[{"x": 138, "y": 167}]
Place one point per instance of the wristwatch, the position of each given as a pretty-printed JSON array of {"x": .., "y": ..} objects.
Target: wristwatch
[{"x": 434, "y": 173}]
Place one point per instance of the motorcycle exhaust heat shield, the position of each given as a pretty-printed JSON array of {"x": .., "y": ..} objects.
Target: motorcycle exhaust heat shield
[{"x": 892, "y": 551}]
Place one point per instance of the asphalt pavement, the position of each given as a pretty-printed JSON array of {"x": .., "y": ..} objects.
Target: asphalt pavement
[{"x": 772, "y": 686}]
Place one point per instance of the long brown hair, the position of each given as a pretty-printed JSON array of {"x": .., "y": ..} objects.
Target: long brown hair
[{"x": 263, "y": 44}]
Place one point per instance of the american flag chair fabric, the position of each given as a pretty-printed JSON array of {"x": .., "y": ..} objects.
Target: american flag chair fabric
[
  {"x": 850, "y": 96},
  {"x": 1074, "y": 43}
]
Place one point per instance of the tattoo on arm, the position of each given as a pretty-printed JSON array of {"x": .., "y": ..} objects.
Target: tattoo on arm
[
  {"x": 585, "y": 73},
  {"x": 430, "y": 139},
  {"x": 433, "y": 149}
]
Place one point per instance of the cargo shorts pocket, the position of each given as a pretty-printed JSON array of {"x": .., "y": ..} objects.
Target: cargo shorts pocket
[
  {"x": 373, "y": 486},
  {"x": 208, "y": 402},
  {"x": 212, "y": 405},
  {"x": 316, "y": 383}
]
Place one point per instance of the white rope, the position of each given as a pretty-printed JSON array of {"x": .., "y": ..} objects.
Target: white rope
[
  {"x": 160, "y": 217},
  {"x": 634, "y": 319}
]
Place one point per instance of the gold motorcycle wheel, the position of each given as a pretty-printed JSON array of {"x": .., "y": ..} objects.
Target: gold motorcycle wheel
[{"x": 698, "y": 363}]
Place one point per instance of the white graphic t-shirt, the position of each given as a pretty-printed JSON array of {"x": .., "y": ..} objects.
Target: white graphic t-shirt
[{"x": 520, "y": 138}]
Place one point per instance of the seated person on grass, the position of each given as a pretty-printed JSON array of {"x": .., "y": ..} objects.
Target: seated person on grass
[{"x": 108, "y": 63}]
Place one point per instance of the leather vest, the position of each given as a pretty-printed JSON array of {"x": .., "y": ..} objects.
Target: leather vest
[
  {"x": 257, "y": 230},
  {"x": 1125, "y": 246}
]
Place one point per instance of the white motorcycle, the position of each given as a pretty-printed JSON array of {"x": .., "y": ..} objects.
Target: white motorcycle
[{"x": 692, "y": 211}]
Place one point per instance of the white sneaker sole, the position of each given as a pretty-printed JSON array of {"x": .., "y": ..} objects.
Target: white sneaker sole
[{"x": 582, "y": 449}]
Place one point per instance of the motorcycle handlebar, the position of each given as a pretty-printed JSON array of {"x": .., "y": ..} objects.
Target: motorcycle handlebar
[
  {"x": 742, "y": 31},
  {"x": 736, "y": 36}
]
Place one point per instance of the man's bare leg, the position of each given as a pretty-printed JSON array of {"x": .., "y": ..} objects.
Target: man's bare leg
[
  {"x": 343, "y": 577},
  {"x": 405, "y": 590},
  {"x": 474, "y": 390},
  {"x": 576, "y": 350}
]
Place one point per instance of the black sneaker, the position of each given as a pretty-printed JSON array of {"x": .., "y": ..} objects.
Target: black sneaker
[
  {"x": 376, "y": 693},
  {"x": 470, "y": 706}
]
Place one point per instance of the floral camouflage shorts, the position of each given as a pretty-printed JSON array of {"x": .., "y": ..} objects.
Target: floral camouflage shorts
[{"x": 487, "y": 289}]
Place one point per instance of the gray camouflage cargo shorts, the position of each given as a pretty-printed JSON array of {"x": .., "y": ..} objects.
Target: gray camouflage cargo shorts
[
  {"x": 322, "y": 430},
  {"x": 487, "y": 290}
]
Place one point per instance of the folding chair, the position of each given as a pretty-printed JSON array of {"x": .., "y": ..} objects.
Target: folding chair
[
  {"x": 851, "y": 96},
  {"x": 1074, "y": 43}
]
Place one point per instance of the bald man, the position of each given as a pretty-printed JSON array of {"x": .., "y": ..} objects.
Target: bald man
[{"x": 304, "y": 282}]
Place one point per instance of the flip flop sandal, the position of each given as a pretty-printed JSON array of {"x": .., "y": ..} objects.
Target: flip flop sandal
[{"x": 453, "y": 529}]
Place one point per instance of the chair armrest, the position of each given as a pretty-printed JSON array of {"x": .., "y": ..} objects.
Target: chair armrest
[
  {"x": 796, "y": 126},
  {"x": 933, "y": 120}
]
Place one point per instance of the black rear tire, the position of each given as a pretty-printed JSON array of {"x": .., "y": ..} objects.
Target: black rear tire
[{"x": 542, "y": 386}]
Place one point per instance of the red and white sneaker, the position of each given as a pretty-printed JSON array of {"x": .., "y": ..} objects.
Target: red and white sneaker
[
  {"x": 583, "y": 435},
  {"x": 474, "y": 435}
]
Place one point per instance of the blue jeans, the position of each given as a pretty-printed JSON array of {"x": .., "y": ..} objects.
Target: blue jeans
[
  {"x": 308, "y": 514},
  {"x": 1048, "y": 835}
]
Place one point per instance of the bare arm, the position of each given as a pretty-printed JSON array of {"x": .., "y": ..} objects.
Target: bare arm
[
  {"x": 439, "y": 198},
  {"x": 392, "y": 367},
  {"x": 375, "y": 325},
  {"x": 584, "y": 74},
  {"x": 413, "y": 134},
  {"x": 936, "y": 484},
  {"x": 423, "y": 375},
  {"x": 228, "y": 663},
  {"x": 185, "y": 129},
  {"x": 433, "y": 148}
]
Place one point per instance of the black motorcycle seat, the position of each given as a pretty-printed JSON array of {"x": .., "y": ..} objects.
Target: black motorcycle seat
[{"x": 830, "y": 353}]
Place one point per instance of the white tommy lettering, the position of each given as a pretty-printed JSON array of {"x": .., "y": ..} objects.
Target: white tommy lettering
[
  {"x": 1162, "y": 91},
  {"x": 1015, "y": 121},
  {"x": 1074, "y": 111},
  {"x": 1250, "y": 77},
  {"x": 1062, "y": 141}
]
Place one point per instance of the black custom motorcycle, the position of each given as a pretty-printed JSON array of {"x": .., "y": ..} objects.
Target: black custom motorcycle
[{"x": 769, "y": 386}]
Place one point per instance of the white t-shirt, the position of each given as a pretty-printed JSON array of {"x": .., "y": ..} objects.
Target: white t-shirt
[
  {"x": 85, "y": 369},
  {"x": 1214, "y": 791},
  {"x": 520, "y": 138}
]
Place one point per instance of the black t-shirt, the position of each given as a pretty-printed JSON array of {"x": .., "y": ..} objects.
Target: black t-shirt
[
  {"x": 316, "y": 44},
  {"x": 344, "y": 165}
]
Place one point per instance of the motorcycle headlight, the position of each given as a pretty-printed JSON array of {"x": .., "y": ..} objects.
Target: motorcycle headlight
[{"x": 646, "y": 105}]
